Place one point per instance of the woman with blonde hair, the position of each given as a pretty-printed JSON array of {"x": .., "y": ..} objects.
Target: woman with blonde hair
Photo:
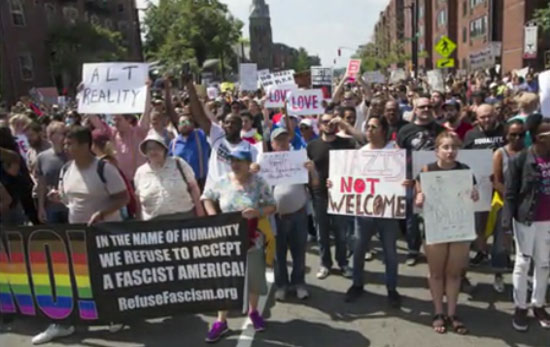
[{"x": 18, "y": 123}]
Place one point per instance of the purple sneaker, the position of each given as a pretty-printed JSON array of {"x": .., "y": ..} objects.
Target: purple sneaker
[
  {"x": 257, "y": 321},
  {"x": 217, "y": 331}
]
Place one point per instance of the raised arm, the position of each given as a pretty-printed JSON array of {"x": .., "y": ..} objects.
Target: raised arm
[
  {"x": 172, "y": 114},
  {"x": 337, "y": 95},
  {"x": 197, "y": 110},
  {"x": 145, "y": 120}
]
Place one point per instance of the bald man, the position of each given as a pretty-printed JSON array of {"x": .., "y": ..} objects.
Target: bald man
[{"x": 488, "y": 133}]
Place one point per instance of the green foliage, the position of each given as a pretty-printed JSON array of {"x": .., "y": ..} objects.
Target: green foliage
[
  {"x": 301, "y": 61},
  {"x": 72, "y": 44},
  {"x": 189, "y": 30},
  {"x": 542, "y": 16},
  {"x": 380, "y": 55}
]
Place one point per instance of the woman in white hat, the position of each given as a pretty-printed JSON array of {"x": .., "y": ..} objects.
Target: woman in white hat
[{"x": 165, "y": 186}]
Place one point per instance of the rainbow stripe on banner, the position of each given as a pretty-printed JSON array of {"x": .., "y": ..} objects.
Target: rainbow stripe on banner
[
  {"x": 44, "y": 276},
  {"x": 14, "y": 278}
]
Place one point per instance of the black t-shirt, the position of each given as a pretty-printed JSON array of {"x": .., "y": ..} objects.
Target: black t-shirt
[
  {"x": 413, "y": 137},
  {"x": 434, "y": 167},
  {"x": 477, "y": 138},
  {"x": 394, "y": 129},
  {"x": 318, "y": 152}
]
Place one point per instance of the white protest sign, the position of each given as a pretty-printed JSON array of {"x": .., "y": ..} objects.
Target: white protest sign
[
  {"x": 262, "y": 73},
  {"x": 397, "y": 75},
  {"x": 305, "y": 102},
  {"x": 248, "y": 76},
  {"x": 321, "y": 76},
  {"x": 522, "y": 72},
  {"x": 436, "y": 81},
  {"x": 544, "y": 90},
  {"x": 113, "y": 88},
  {"x": 284, "y": 167},
  {"x": 276, "y": 95},
  {"x": 368, "y": 183},
  {"x": 374, "y": 77},
  {"x": 278, "y": 79},
  {"x": 212, "y": 92},
  {"x": 448, "y": 206},
  {"x": 481, "y": 163}
]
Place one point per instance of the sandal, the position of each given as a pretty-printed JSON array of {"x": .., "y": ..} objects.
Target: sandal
[
  {"x": 441, "y": 327},
  {"x": 457, "y": 325}
]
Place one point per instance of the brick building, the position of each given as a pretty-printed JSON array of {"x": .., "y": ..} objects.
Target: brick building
[
  {"x": 24, "y": 55},
  {"x": 476, "y": 26},
  {"x": 516, "y": 14}
]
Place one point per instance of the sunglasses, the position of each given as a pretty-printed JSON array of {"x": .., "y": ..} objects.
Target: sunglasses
[
  {"x": 324, "y": 121},
  {"x": 372, "y": 127},
  {"x": 425, "y": 107},
  {"x": 517, "y": 135},
  {"x": 304, "y": 127}
]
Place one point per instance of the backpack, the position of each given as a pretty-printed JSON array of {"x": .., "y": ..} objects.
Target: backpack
[{"x": 130, "y": 211}]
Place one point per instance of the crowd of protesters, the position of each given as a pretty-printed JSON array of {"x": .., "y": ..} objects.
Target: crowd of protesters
[{"x": 189, "y": 156}]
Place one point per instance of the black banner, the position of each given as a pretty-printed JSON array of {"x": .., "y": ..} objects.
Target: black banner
[{"x": 115, "y": 272}]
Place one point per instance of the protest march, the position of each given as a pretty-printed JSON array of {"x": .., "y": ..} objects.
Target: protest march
[{"x": 147, "y": 193}]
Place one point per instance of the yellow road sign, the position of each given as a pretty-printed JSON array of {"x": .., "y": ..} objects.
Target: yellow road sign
[
  {"x": 445, "y": 62},
  {"x": 445, "y": 47}
]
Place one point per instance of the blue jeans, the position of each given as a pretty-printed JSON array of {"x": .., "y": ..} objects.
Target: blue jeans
[
  {"x": 414, "y": 238},
  {"x": 325, "y": 223},
  {"x": 291, "y": 233},
  {"x": 57, "y": 217},
  {"x": 388, "y": 231}
]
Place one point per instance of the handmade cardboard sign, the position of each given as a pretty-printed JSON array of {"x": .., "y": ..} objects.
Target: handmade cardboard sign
[{"x": 113, "y": 88}]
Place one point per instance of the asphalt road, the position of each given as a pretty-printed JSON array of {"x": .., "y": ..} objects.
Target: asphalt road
[{"x": 324, "y": 320}]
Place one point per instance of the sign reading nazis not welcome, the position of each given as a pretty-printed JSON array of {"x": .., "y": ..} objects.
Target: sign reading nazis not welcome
[{"x": 121, "y": 271}]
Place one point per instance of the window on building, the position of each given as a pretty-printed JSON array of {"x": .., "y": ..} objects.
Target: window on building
[
  {"x": 475, "y": 3},
  {"x": 421, "y": 47},
  {"x": 420, "y": 11},
  {"x": 442, "y": 18},
  {"x": 70, "y": 14},
  {"x": 421, "y": 30},
  {"x": 17, "y": 13},
  {"x": 122, "y": 26},
  {"x": 120, "y": 7},
  {"x": 478, "y": 27},
  {"x": 464, "y": 8},
  {"x": 25, "y": 66},
  {"x": 464, "y": 35}
]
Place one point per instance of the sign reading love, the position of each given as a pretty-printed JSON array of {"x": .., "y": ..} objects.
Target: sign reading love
[{"x": 305, "y": 102}]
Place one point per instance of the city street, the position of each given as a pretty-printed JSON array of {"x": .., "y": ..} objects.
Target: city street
[{"x": 324, "y": 320}]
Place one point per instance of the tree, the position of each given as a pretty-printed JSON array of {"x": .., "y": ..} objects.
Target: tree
[
  {"x": 73, "y": 44},
  {"x": 542, "y": 17},
  {"x": 301, "y": 61},
  {"x": 189, "y": 30}
]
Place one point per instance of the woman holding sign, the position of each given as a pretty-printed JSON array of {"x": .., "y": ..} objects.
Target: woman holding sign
[
  {"x": 446, "y": 261},
  {"x": 377, "y": 128},
  {"x": 241, "y": 190}
]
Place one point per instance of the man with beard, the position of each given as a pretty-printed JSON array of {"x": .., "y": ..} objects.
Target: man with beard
[
  {"x": 488, "y": 133},
  {"x": 453, "y": 122},
  {"x": 37, "y": 145},
  {"x": 318, "y": 152},
  {"x": 224, "y": 140},
  {"x": 416, "y": 136},
  {"x": 393, "y": 116}
]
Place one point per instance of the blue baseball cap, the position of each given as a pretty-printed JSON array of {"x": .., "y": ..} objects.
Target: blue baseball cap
[{"x": 241, "y": 155}]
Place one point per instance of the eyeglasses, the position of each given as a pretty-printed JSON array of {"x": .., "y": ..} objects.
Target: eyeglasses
[
  {"x": 425, "y": 107},
  {"x": 304, "y": 127},
  {"x": 324, "y": 121},
  {"x": 516, "y": 135},
  {"x": 372, "y": 127}
]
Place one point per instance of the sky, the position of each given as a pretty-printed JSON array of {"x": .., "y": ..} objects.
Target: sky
[{"x": 320, "y": 26}]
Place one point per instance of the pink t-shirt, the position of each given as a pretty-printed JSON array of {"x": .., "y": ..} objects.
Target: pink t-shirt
[
  {"x": 127, "y": 149},
  {"x": 542, "y": 213}
]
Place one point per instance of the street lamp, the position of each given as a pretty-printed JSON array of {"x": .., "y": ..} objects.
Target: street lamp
[{"x": 414, "y": 30}]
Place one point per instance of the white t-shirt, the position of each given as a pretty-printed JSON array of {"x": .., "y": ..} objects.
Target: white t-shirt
[
  {"x": 163, "y": 191},
  {"x": 219, "y": 164},
  {"x": 389, "y": 145},
  {"x": 84, "y": 193}
]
